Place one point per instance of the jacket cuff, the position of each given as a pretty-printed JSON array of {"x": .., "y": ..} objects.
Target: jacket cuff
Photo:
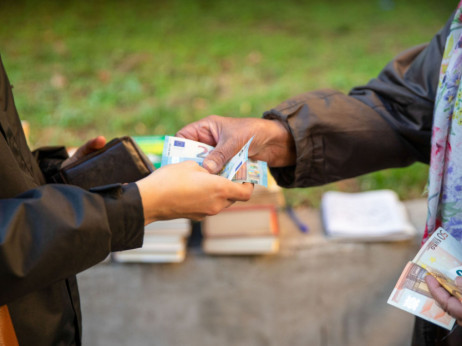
[
  {"x": 125, "y": 215},
  {"x": 50, "y": 160},
  {"x": 294, "y": 114}
]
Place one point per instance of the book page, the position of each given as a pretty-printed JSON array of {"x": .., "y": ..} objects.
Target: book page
[{"x": 372, "y": 213}]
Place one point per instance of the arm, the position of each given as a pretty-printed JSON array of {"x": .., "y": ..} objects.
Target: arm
[
  {"x": 384, "y": 124},
  {"x": 327, "y": 136},
  {"x": 56, "y": 231}
]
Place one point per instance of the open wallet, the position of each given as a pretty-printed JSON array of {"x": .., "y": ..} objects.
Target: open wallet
[{"x": 119, "y": 161}]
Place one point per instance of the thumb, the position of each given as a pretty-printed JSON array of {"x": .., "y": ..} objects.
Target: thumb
[
  {"x": 91, "y": 146},
  {"x": 218, "y": 157}
]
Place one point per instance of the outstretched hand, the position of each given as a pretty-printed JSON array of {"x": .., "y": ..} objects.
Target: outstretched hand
[
  {"x": 89, "y": 147},
  {"x": 187, "y": 190},
  {"x": 272, "y": 142},
  {"x": 448, "y": 302}
]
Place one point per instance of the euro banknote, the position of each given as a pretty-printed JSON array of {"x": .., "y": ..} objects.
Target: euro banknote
[
  {"x": 240, "y": 168},
  {"x": 441, "y": 257},
  {"x": 411, "y": 294},
  {"x": 236, "y": 162},
  {"x": 253, "y": 171},
  {"x": 180, "y": 149}
]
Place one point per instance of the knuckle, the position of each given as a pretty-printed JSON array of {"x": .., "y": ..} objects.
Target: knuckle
[
  {"x": 212, "y": 117},
  {"x": 219, "y": 156}
]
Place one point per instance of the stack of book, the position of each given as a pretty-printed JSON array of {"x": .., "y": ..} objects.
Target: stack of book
[
  {"x": 164, "y": 242},
  {"x": 238, "y": 230},
  {"x": 246, "y": 228}
]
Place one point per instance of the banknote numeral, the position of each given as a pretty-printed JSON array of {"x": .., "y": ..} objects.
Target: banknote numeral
[
  {"x": 459, "y": 272},
  {"x": 442, "y": 234},
  {"x": 203, "y": 153}
]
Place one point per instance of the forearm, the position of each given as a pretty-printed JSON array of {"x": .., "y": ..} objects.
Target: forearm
[
  {"x": 383, "y": 124},
  {"x": 336, "y": 137},
  {"x": 57, "y": 231}
]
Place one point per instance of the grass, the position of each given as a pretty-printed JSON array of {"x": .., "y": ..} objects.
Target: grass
[{"x": 80, "y": 69}]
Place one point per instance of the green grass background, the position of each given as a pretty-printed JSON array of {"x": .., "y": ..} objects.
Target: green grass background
[{"x": 80, "y": 69}]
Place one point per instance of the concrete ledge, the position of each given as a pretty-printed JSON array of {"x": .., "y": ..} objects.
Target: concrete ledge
[{"x": 314, "y": 292}]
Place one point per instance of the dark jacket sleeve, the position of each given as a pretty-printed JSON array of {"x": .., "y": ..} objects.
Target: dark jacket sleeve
[
  {"x": 386, "y": 123},
  {"x": 49, "y": 160},
  {"x": 49, "y": 232},
  {"x": 56, "y": 231}
]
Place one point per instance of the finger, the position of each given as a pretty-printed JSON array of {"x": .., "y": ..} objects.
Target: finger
[
  {"x": 437, "y": 291},
  {"x": 199, "y": 132},
  {"x": 240, "y": 192},
  {"x": 455, "y": 308},
  {"x": 91, "y": 146},
  {"x": 188, "y": 132},
  {"x": 448, "y": 302},
  {"x": 458, "y": 281},
  {"x": 94, "y": 144},
  {"x": 191, "y": 165},
  {"x": 215, "y": 161}
]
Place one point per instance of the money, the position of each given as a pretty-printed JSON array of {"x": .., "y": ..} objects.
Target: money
[
  {"x": 253, "y": 172},
  {"x": 240, "y": 168},
  {"x": 441, "y": 257},
  {"x": 236, "y": 162},
  {"x": 411, "y": 294},
  {"x": 180, "y": 149}
]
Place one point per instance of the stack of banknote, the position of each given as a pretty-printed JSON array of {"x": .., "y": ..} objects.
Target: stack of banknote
[
  {"x": 240, "y": 168},
  {"x": 441, "y": 257}
]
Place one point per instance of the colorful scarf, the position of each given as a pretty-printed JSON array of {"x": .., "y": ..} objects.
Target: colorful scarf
[{"x": 445, "y": 177}]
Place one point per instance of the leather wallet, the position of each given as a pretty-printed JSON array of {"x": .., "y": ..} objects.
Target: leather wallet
[{"x": 119, "y": 161}]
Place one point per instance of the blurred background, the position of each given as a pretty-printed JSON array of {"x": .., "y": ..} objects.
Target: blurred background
[
  {"x": 86, "y": 68},
  {"x": 81, "y": 69}
]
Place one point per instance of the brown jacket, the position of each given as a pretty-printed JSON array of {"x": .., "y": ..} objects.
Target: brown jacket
[{"x": 386, "y": 123}]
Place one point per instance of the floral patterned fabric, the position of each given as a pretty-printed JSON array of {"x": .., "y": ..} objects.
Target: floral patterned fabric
[{"x": 445, "y": 177}]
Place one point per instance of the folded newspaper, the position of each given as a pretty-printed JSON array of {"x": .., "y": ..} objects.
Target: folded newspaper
[
  {"x": 441, "y": 257},
  {"x": 240, "y": 168}
]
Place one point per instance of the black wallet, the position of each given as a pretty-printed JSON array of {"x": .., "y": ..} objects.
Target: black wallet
[{"x": 119, "y": 161}]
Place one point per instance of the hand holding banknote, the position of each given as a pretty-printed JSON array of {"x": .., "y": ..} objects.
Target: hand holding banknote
[
  {"x": 449, "y": 303},
  {"x": 186, "y": 190},
  {"x": 272, "y": 142},
  {"x": 238, "y": 169},
  {"x": 431, "y": 285}
]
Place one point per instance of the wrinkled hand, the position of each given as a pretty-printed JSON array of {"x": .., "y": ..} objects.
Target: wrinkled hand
[
  {"x": 448, "y": 302},
  {"x": 272, "y": 142},
  {"x": 187, "y": 190},
  {"x": 89, "y": 147}
]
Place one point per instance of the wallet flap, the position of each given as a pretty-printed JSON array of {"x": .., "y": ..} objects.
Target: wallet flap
[{"x": 119, "y": 161}]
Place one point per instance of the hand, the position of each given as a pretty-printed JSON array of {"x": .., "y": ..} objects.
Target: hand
[
  {"x": 187, "y": 190},
  {"x": 272, "y": 142},
  {"x": 448, "y": 302},
  {"x": 89, "y": 147}
]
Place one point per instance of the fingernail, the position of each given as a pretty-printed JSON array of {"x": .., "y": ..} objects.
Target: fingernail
[{"x": 211, "y": 166}]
